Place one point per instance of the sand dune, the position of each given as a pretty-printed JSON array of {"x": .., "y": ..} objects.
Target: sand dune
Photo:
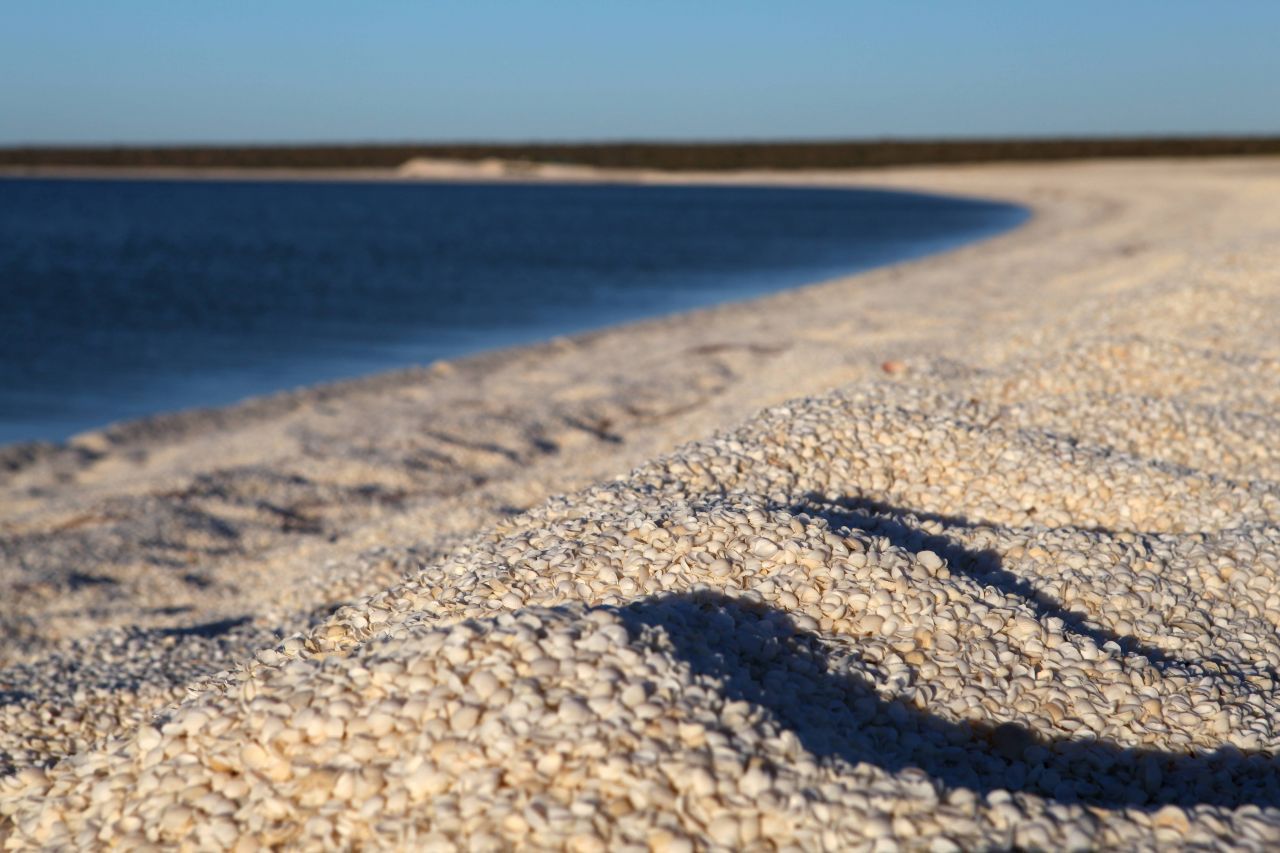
[{"x": 977, "y": 551}]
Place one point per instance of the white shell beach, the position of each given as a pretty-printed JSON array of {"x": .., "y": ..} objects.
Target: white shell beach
[{"x": 980, "y": 550}]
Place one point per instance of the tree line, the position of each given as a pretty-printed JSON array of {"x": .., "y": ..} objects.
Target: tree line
[{"x": 676, "y": 156}]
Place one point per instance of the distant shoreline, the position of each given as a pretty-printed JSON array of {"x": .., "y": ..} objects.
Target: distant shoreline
[
  {"x": 493, "y": 170},
  {"x": 380, "y": 161},
  {"x": 180, "y": 173}
]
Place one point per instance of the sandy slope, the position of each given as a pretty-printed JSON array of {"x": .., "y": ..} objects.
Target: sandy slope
[{"x": 1019, "y": 589}]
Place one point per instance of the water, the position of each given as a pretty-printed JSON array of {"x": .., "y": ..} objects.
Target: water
[{"x": 120, "y": 299}]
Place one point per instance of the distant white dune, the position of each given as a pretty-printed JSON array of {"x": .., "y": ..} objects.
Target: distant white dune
[{"x": 491, "y": 167}]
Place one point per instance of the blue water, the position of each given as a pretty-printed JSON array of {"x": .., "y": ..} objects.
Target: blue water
[{"x": 120, "y": 299}]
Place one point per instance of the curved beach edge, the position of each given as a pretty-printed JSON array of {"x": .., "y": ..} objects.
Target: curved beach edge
[{"x": 1013, "y": 583}]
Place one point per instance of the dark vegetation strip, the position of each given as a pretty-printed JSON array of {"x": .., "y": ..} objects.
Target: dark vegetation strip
[{"x": 654, "y": 155}]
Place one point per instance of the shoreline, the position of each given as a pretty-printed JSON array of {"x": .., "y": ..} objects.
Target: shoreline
[
  {"x": 171, "y": 421},
  {"x": 422, "y": 171},
  {"x": 1033, "y": 432}
]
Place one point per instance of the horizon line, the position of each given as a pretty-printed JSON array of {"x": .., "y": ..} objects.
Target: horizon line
[{"x": 645, "y": 141}]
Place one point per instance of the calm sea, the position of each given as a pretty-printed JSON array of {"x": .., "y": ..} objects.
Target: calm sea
[{"x": 120, "y": 299}]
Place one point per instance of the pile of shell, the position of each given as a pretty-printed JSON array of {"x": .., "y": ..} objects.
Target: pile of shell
[
  {"x": 1032, "y": 604},
  {"x": 945, "y": 613}
]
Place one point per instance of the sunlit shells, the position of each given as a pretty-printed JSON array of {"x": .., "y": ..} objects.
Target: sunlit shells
[{"x": 1026, "y": 596}]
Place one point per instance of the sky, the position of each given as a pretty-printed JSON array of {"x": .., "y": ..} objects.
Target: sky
[{"x": 163, "y": 71}]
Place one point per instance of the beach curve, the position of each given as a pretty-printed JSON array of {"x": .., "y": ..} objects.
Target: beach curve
[{"x": 1033, "y": 533}]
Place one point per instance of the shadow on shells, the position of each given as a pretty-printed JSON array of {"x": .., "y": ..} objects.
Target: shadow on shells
[
  {"x": 985, "y": 568},
  {"x": 750, "y": 652}
]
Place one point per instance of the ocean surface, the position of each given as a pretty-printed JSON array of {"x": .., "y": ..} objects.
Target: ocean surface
[{"x": 120, "y": 299}]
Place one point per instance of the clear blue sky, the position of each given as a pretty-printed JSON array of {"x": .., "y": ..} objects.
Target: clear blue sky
[{"x": 318, "y": 70}]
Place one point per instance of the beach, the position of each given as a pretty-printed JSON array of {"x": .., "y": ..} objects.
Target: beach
[{"x": 978, "y": 550}]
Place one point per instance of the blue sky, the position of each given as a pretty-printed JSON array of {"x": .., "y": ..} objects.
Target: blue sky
[{"x": 285, "y": 70}]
